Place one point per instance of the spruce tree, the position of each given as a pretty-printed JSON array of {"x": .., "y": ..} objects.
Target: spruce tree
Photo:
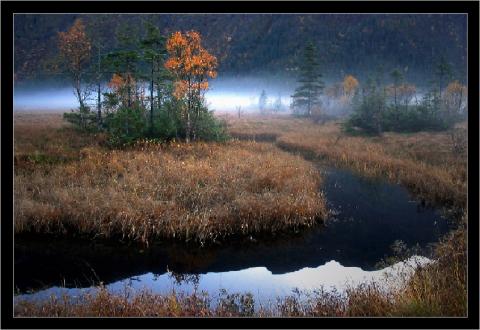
[
  {"x": 307, "y": 95},
  {"x": 154, "y": 53}
]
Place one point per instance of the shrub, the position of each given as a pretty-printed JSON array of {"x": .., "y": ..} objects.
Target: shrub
[
  {"x": 165, "y": 126},
  {"x": 82, "y": 119},
  {"x": 210, "y": 128},
  {"x": 126, "y": 125}
]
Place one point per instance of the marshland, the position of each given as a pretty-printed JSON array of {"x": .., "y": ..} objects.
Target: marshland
[{"x": 175, "y": 178}]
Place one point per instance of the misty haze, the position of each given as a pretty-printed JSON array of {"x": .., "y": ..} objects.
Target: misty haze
[
  {"x": 224, "y": 95},
  {"x": 240, "y": 165}
]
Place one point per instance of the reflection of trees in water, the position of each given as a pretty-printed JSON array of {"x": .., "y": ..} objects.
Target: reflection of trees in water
[{"x": 185, "y": 278}]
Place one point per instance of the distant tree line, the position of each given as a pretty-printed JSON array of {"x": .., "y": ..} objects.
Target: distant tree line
[
  {"x": 376, "y": 106},
  {"x": 155, "y": 86}
]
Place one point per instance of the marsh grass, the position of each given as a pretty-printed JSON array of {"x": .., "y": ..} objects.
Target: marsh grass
[
  {"x": 199, "y": 192},
  {"x": 42, "y": 140},
  {"x": 427, "y": 163}
]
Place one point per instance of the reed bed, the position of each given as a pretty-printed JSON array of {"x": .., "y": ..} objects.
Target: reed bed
[{"x": 201, "y": 192}]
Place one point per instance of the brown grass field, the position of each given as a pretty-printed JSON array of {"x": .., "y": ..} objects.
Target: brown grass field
[
  {"x": 423, "y": 162},
  {"x": 201, "y": 192},
  {"x": 66, "y": 182}
]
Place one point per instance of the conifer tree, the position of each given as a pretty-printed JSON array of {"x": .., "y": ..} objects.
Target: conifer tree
[
  {"x": 307, "y": 95},
  {"x": 154, "y": 53}
]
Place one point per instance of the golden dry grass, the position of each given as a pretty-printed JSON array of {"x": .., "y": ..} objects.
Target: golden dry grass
[
  {"x": 423, "y": 162},
  {"x": 42, "y": 139},
  {"x": 201, "y": 192}
]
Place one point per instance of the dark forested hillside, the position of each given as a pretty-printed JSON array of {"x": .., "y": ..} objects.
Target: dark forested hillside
[{"x": 248, "y": 44}]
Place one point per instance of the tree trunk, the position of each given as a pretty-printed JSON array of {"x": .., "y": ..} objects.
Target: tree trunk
[
  {"x": 188, "y": 128},
  {"x": 395, "y": 95},
  {"x": 82, "y": 105},
  {"x": 158, "y": 95},
  {"x": 129, "y": 91},
  {"x": 151, "y": 102},
  {"x": 99, "y": 105}
]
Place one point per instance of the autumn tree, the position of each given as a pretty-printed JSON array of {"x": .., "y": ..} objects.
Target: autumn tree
[
  {"x": 192, "y": 66},
  {"x": 349, "y": 87},
  {"x": 75, "y": 48},
  {"x": 307, "y": 95}
]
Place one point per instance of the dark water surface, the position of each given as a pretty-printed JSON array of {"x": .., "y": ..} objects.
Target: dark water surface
[{"x": 369, "y": 216}]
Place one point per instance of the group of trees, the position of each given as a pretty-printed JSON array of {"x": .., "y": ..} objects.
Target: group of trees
[
  {"x": 155, "y": 88},
  {"x": 396, "y": 107},
  {"x": 378, "y": 106}
]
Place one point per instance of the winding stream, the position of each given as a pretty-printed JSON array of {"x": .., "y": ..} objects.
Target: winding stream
[{"x": 369, "y": 216}]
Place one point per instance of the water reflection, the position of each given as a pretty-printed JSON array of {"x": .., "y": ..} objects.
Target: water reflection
[
  {"x": 369, "y": 217},
  {"x": 259, "y": 281}
]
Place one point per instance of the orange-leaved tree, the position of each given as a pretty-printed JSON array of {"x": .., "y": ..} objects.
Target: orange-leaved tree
[
  {"x": 350, "y": 86},
  {"x": 120, "y": 86},
  {"x": 75, "y": 48},
  {"x": 192, "y": 66}
]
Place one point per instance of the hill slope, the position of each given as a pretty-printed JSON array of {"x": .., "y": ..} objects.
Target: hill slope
[{"x": 262, "y": 43}]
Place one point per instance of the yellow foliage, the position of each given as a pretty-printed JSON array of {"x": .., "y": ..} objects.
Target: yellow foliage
[
  {"x": 350, "y": 85},
  {"x": 75, "y": 46},
  {"x": 190, "y": 63}
]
